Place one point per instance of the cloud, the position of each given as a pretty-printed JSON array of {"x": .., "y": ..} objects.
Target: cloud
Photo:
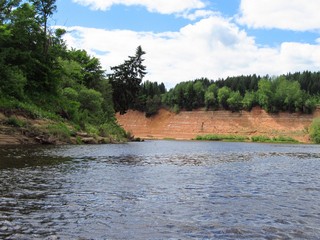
[
  {"x": 160, "y": 6},
  {"x": 297, "y": 15},
  {"x": 202, "y": 13},
  {"x": 213, "y": 47}
]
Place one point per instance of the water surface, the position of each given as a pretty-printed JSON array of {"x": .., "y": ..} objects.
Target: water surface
[{"x": 160, "y": 190}]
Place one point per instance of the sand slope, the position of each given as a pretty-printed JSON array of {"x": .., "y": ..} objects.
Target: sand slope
[{"x": 187, "y": 125}]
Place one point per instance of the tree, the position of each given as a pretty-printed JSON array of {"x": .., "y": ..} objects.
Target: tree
[
  {"x": 91, "y": 70},
  {"x": 44, "y": 9},
  {"x": 6, "y": 7},
  {"x": 249, "y": 100},
  {"x": 264, "y": 94},
  {"x": 210, "y": 96},
  {"x": 235, "y": 101},
  {"x": 223, "y": 95},
  {"x": 126, "y": 79}
]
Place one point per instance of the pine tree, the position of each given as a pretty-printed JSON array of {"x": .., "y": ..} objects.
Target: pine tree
[{"x": 126, "y": 79}]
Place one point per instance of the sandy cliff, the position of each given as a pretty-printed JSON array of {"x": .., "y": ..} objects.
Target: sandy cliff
[{"x": 187, "y": 125}]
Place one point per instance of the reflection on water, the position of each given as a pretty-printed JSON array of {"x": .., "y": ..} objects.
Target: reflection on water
[{"x": 160, "y": 190}]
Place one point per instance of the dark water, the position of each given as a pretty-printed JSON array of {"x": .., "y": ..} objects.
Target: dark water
[{"x": 160, "y": 190}]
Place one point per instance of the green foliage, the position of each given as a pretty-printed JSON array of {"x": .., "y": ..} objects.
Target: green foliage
[
  {"x": 280, "y": 139},
  {"x": 70, "y": 93},
  {"x": 235, "y": 101},
  {"x": 90, "y": 100},
  {"x": 26, "y": 108},
  {"x": 112, "y": 129},
  {"x": 260, "y": 138},
  {"x": 249, "y": 100},
  {"x": 125, "y": 81},
  {"x": 223, "y": 95},
  {"x": 149, "y": 99},
  {"x": 60, "y": 131},
  {"x": 176, "y": 109},
  {"x": 264, "y": 94},
  {"x": 210, "y": 97},
  {"x": 15, "y": 84},
  {"x": 238, "y": 93},
  {"x": 314, "y": 131},
  {"x": 40, "y": 78},
  {"x": 15, "y": 122},
  {"x": 152, "y": 105},
  {"x": 234, "y": 138},
  {"x": 215, "y": 137}
]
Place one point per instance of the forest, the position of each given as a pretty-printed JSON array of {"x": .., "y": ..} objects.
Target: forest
[
  {"x": 298, "y": 92},
  {"x": 41, "y": 77}
]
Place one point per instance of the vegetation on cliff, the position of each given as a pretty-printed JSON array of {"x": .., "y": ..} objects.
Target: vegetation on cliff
[
  {"x": 298, "y": 92},
  {"x": 41, "y": 78}
]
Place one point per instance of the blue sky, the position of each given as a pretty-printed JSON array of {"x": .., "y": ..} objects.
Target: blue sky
[{"x": 188, "y": 39}]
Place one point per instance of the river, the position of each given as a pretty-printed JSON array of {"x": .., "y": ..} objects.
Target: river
[{"x": 160, "y": 190}]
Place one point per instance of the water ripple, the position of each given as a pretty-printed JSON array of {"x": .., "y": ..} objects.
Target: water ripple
[{"x": 160, "y": 190}]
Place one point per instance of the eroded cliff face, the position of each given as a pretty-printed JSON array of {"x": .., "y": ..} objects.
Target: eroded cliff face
[{"x": 187, "y": 125}]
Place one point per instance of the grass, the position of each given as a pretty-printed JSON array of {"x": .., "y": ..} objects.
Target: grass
[
  {"x": 280, "y": 139},
  {"x": 60, "y": 131},
  {"x": 15, "y": 122},
  {"x": 28, "y": 109},
  {"x": 225, "y": 138},
  {"x": 235, "y": 138}
]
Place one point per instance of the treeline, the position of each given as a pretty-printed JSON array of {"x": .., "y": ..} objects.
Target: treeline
[
  {"x": 39, "y": 74},
  {"x": 297, "y": 92}
]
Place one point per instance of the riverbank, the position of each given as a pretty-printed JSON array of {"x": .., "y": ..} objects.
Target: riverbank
[
  {"x": 17, "y": 128},
  {"x": 188, "y": 125}
]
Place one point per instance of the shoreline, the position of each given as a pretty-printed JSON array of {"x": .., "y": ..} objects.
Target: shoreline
[{"x": 16, "y": 129}]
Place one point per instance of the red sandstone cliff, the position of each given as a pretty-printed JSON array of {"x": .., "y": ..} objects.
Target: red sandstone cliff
[{"x": 187, "y": 125}]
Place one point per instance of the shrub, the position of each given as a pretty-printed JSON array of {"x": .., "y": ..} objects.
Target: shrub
[
  {"x": 260, "y": 139},
  {"x": 280, "y": 139},
  {"x": 15, "y": 122},
  {"x": 91, "y": 100},
  {"x": 315, "y": 131},
  {"x": 60, "y": 131},
  {"x": 111, "y": 129},
  {"x": 214, "y": 137}
]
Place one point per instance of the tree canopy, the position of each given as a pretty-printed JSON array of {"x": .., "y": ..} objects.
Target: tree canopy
[
  {"x": 37, "y": 69},
  {"x": 126, "y": 79}
]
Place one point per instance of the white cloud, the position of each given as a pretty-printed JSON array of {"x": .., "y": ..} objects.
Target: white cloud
[
  {"x": 213, "y": 47},
  {"x": 202, "y": 13},
  {"x": 161, "y": 6},
  {"x": 299, "y": 15},
  {"x": 299, "y": 57}
]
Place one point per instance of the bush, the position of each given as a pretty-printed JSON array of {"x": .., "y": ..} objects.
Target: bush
[
  {"x": 15, "y": 122},
  {"x": 214, "y": 137},
  {"x": 280, "y": 139},
  {"x": 315, "y": 131},
  {"x": 91, "y": 100},
  {"x": 60, "y": 131},
  {"x": 260, "y": 139},
  {"x": 111, "y": 129}
]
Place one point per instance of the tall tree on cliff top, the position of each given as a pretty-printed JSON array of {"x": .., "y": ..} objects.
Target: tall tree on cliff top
[
  {"x": 44, "y": 10},
  {"x": 6, "y": 7},
  {"x": 125, "y": 81}
]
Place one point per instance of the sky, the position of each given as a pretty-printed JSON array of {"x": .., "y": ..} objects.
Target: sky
[{"x": 190, "y": 39}]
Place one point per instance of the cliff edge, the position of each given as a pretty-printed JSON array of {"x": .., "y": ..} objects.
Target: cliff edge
[{"x": 187, "y": 125}]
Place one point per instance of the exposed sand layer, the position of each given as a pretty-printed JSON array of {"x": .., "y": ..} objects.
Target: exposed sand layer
[{"x": 187, "y": 125}]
